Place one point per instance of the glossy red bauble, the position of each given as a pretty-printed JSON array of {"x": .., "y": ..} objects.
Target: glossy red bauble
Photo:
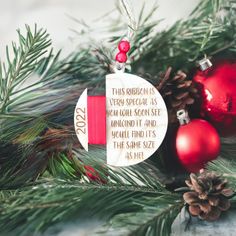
[
  {"x": 197, "y": 143},
  {"x": 217, "y": 86}
]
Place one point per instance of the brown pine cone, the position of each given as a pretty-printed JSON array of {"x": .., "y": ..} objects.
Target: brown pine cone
[
  {"x": 177, "y": 91},
  {"x": 209, "y": 195}
]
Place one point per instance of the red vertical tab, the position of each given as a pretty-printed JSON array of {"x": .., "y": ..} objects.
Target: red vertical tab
[{"x": 96, "y": 119}]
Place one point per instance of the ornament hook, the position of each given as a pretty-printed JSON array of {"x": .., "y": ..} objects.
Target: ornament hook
[
  {"x": 204, "y": 64},
  {"x": 183, "y": 117}
]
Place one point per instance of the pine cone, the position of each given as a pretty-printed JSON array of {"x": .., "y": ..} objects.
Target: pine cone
[
  {"x": 177, "y": 91},
  {"x": 209, "y": 195}
]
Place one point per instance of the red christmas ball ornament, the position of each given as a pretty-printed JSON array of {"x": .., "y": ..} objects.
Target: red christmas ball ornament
[
  {"x": 197, "y": 142},
  {"x": 217, "y": 86}
]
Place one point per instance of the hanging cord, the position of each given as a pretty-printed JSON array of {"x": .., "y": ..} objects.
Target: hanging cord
[{"x": 124, "y": 44}]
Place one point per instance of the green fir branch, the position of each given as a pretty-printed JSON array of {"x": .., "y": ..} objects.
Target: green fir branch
[
  {"x": 34, "y": 209},
  {"x": 59, "y": 165},
  {"x": 17, "y": 70},
  {"x": 208, "y": 7},
  {"x": 152, "y": 220},
  {"x": 227, "y": 168}
]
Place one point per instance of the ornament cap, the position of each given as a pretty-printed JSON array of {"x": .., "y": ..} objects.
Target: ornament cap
[
  {"x": 204, "y": 64},
  {"x": 183, "y": 117}
]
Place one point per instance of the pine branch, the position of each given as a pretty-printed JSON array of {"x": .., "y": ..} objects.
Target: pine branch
[
  {"x": 58, "y": 201},
  {"x": 203, "y": 34},
  {"x": 29, "y": 110},
  {"x": 59, "y": 165},
  {"x": 53, "y": 96},
  {"x": 17, "y": 70},
  {"x": 152, "y": 220},
  {"x": 228, "y": 148},
  {"x": 145, "y": 173},
  {"x": 227, "y": 168},
  {"x": 209, "y": 7},
  {"x": 54, "y": 202},
  {"x": 210, "y": 30}
]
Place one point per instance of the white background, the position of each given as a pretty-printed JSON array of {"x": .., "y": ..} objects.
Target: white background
[{"x": 53, "y": 16}]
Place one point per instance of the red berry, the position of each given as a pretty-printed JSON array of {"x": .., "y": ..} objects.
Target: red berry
[
  {"x": 124, "y": 46},
  {"x": 93, "y": 175},
  {"x": 121, "y": 57}
]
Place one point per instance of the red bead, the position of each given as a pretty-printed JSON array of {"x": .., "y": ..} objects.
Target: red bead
[
  {"x": 197, "y": 143},
  {"x": 121, "y": 57},
  {"x": 124, "y": 46},
  {"x": 217, "y": 87}
]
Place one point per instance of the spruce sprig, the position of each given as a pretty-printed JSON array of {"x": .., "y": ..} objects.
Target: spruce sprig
[
  {"x": 15, "y": 71},
  {"x": 227, "y": 168},
  {"x": 36, "y": 208}
]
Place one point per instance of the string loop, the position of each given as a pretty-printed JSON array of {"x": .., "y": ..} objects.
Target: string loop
[{"x": 124, "y": 44}]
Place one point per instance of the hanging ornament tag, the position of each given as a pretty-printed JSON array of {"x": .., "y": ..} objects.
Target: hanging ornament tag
[
  {"x": 131, "y": 119},
  {"x": 136, "y": 119}
]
